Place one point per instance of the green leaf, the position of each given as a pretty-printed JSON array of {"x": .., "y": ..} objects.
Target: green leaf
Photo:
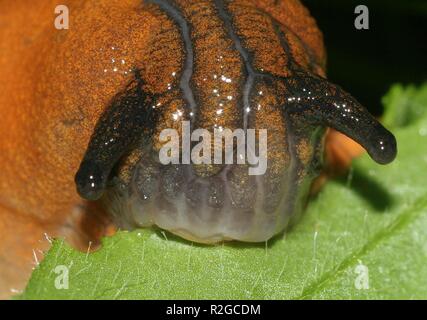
[
  {"x": 363, "y": 236},
  {"x": 404, "y": 105}
]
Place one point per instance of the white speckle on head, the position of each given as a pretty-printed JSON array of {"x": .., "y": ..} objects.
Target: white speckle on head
[{"x": 225, "y": 79}]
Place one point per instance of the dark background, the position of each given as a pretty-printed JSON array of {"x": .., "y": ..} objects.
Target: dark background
[{"x": 367, "y": 62}]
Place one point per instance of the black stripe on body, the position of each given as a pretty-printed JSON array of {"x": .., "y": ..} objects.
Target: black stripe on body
[
  {"x": 178, "y": 18},
  {"x": 251, "y": 74}
]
